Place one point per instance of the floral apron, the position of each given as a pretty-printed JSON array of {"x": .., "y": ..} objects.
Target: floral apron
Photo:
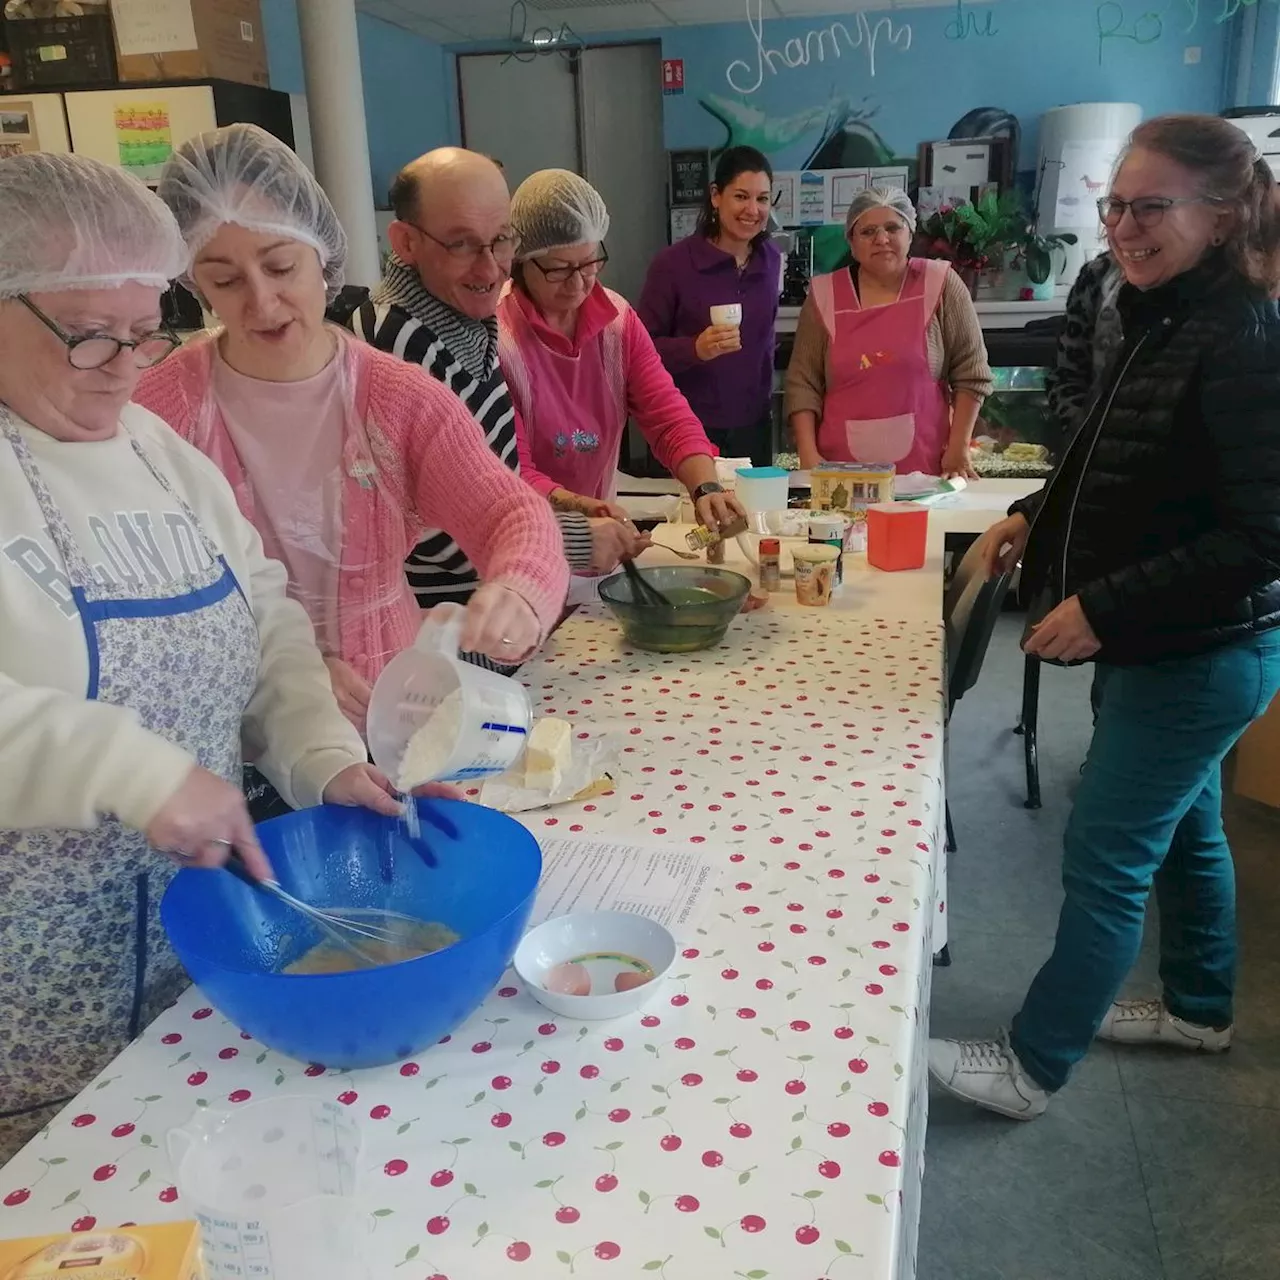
[
  {"x": 882, "y": 402},
  {"x": 84, "y": 962}
]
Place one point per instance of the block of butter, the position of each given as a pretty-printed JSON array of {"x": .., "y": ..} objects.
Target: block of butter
[
  {"x": 548, "y": 754},
  {"x": 168, "y": 1251}
]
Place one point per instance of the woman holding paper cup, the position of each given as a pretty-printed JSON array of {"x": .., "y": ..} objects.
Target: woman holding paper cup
[
  {"x": 710, "y": 303},
  {"x": 889, "y": 364},
  {"x": 578, "y": 362}
]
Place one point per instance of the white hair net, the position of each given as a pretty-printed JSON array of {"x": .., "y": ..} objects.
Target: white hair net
[
  {"x": 243, "y": 175},
  {"x": 881, "y": 198},
  {"x": 68, "y": 222},
  {"x": 553, "y": 209}
]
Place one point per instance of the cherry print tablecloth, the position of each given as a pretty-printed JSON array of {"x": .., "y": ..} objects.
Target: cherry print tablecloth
[{"x": 763, "y": 1117}]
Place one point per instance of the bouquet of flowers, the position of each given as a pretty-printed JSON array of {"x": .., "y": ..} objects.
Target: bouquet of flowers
[{"x": 973, "y": 236}]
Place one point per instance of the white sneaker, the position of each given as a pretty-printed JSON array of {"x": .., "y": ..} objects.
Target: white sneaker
[
  {"x": 986, "y": 1072},
  {"x": 1149, "y": 1022}
]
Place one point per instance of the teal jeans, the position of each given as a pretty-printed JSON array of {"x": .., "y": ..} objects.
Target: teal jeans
[{"x": 1149, "y": 809}]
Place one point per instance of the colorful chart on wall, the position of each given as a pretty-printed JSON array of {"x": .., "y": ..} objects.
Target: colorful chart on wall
[{"x": 144, "y": 138}]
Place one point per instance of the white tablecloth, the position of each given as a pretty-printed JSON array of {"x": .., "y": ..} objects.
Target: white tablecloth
[{"x": 765, "y": 1115}]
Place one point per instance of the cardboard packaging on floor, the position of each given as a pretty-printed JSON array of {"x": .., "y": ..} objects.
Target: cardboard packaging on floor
[
  {"x": 168, "y": 1251},
  {"x": 1258, "y": 759},
  {"x": 190, "y": 40}
]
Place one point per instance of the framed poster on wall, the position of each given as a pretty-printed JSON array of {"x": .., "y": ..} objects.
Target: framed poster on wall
[
  {"x": 32, "y": 122},
  {"x": 690, "y": 174}
]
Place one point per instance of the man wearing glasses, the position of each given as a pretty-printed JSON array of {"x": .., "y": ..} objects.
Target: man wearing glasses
[{"x": 452, "y": 249}]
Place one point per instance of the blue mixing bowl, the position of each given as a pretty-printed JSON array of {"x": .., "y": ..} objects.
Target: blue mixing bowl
[{"x": 234, "y": 940}]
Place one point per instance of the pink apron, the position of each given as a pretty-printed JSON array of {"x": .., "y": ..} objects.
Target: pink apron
[{"x": 882, "y": 402}]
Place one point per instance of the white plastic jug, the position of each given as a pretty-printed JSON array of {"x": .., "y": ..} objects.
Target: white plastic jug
[
  {"x": 495, "y": 718},
  {"x": 273, "y": 1186}
]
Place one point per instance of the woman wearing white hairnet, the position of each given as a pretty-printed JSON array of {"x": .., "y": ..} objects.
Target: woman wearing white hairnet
[
  {"x": 144, "y": 631},
  {"x": 579, "y": 361},
  {"x": 340, "y": 454},
  {"x": 889, "y": 364}
]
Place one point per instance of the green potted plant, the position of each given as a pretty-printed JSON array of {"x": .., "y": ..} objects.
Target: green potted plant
[
  {"x": 1035, "y": 249},
  {"x": 1035, "y": 255}
]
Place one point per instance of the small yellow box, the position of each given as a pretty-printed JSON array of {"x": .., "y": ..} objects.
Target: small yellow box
[{"x": 168, "y": 1251}]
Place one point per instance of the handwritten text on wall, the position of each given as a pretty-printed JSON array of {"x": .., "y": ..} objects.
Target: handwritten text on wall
[{"x": 870, "y": 36}]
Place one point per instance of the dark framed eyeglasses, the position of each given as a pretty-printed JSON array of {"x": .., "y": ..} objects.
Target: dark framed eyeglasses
[
  {"x": 560, "y": 275},
  {"x": 1148, "y": 211},
  {"x": 468, "y": 249},
  {"x": 95, "y": 350}
]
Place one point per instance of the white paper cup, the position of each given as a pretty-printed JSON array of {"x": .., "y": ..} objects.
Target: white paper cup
[{"x": 727, "y": 313}]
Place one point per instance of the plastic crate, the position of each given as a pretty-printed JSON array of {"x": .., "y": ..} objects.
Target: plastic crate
[{"x": 48, "y": 53}]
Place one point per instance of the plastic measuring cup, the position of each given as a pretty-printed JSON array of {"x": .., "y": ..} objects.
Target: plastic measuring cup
[
  {"x": 763, "y": 488},
  {"x": 496, "y": 714},
  {"x": 273, "y": 1185}
]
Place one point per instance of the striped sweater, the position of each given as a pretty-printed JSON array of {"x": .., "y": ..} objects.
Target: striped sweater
[{"x": 402, "y": 318}]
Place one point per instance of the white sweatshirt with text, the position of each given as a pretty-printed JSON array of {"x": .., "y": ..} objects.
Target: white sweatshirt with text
[{"x": 66, "y": 761}]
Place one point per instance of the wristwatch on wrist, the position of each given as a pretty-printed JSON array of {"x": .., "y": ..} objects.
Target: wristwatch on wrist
[{"x": 709, "y": 486}]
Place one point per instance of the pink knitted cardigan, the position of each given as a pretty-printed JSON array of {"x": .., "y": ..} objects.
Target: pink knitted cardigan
[
  {"x": 588, "y": 386},
  {"x": 418, "y": 464}
]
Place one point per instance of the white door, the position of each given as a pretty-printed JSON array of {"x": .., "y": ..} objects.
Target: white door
[
  {"x": 602, "y": 118},
  {"x": 623, "y": 155},
  {"x": 523, "y": 114}
]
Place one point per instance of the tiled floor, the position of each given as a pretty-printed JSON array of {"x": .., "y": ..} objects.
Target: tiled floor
[{"x": 1148, "y": 1166}]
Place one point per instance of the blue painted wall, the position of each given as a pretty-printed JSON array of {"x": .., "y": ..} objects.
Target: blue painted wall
[
  {"x": 409, "y": 100},
  {"x": 1040, "y": 54}
]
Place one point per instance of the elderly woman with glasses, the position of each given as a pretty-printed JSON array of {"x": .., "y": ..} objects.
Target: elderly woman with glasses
[
  {"x": 147, "y": 641},
  {"x": 889, "y": 364},
  {"x": 340, "y": 454},
  {"x": 1154, "y": 552},
  {"x": 579, "y": 362}
]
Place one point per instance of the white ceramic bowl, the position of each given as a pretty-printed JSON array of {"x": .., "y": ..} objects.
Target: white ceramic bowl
[{"x": 567, "y": 937}]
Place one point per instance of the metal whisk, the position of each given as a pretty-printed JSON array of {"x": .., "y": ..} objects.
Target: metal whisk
[{"x": 341, "y": 926}]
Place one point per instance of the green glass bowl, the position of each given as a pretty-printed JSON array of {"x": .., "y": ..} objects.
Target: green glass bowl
[{"x": 705, "y": 600}]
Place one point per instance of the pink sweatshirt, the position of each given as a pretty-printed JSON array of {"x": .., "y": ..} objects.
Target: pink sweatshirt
[
  {"x": 585, "y": 390},
  {"x": 412, "y": 460}
]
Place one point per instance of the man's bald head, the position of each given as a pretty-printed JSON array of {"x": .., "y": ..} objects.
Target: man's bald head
[
  {"x": 453, "y": 226},
  {"x": 441, "y": 177}
]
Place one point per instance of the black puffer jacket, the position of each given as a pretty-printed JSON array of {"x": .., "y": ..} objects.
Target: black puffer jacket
[{"x": 1164, "y": 516}]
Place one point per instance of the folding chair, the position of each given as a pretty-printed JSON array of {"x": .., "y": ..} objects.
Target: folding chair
[
  {"x": 970, "y": 608},
  {"x": 1027, "y": 726}
]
